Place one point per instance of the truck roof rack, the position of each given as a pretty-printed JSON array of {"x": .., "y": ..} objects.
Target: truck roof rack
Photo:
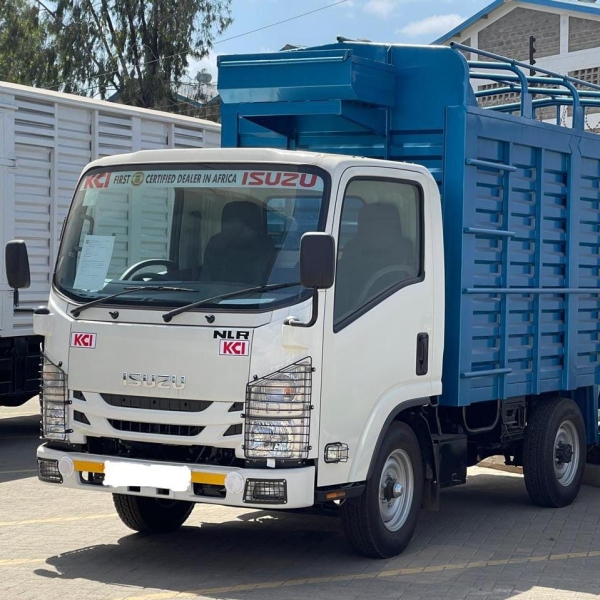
[{"x": 553, "y": 89}]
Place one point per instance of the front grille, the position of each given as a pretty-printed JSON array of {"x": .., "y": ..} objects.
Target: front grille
[
  {"x": 233, "y": 430},
  {"x": 80, "y": 417},
  {"x": 156, "y": 428},
  {"x": 149, "y": 403},
  {"x": 48, "y": 470}
]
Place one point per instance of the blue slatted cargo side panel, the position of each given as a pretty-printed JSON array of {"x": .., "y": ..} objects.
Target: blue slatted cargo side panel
[{"x": 529, "y": 239}]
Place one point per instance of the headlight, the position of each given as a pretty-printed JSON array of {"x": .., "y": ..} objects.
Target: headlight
[
  {"x": 280, "y": 389},
  {"x": 55, "y": 401},
  {"x": 278, "y": 414},
  {"x": 269, "y": 439}
]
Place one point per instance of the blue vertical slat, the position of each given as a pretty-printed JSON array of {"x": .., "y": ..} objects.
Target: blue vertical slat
[
  {"x": 572, "y": 269},
  {"x": 505, "y": 266},
  {"x": 537, "y": 282}
]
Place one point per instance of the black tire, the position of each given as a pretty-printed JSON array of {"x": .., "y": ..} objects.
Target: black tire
[
  {"x": 539, "y": 453},
  {"x": 362, "y": 520},
  {"x": 152, "y": 515}
]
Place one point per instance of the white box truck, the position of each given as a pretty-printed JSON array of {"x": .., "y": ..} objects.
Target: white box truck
[{"x": 46, "y": 138}]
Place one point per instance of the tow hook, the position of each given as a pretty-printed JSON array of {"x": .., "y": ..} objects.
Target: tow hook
[{"x": 564, "y": 453}]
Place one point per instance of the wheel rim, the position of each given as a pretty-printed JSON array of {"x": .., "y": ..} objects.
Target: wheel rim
[
  {"x": 566, "y": 444},
  {"x": 396, "y": 490}
]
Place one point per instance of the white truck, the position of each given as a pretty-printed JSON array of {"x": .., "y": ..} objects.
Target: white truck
[
  {"x": 292, "y": 329},
  {"x": 46, "y": 138}
]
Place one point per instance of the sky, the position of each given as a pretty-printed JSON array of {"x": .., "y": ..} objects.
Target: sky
[{"x": 399, "y": 21}]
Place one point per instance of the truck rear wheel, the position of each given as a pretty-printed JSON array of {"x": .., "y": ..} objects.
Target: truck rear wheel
[
  {"x": 381, "y": 522},
  {"x": 554, "y": 453},
  {"x": 152, "y": 515}
]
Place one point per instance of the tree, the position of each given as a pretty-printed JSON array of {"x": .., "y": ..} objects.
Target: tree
[
  {"x": 139, "y": 49},
  {"x": 26, "y": 53}
]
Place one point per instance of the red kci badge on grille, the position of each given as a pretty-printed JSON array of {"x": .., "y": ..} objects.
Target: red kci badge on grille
[
  {"x": 234, "y": 348},
  {"x": 83, "y": 340}
]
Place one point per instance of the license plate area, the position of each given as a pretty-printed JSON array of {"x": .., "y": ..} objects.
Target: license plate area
[{"x": 163, "y": 477}]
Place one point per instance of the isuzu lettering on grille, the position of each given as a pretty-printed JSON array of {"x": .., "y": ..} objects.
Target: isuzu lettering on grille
[{"x": 163, "y": 382}]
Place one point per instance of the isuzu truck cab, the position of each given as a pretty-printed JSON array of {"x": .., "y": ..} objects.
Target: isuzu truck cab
[{"x": 291, "y": 329}]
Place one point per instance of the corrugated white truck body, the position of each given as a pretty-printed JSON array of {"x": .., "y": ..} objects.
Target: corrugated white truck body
[{"x": 46, "y": 138}]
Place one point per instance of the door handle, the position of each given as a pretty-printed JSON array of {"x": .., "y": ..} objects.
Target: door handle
[{"x": 422, "y": 353}]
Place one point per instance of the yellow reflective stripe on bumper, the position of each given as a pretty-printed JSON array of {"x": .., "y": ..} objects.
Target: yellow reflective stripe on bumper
[
  {"x": 197, "y": 477},
  {"x": 89, "y": 466},
  {"x": 208, "y": 478}
]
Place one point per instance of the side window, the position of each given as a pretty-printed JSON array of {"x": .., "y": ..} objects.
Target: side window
[
  {"x": 349, "y": 226},
  {"x": 381, "y": 224}
]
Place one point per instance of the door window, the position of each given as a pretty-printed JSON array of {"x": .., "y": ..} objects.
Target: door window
[{"x": 384, "y": 251}]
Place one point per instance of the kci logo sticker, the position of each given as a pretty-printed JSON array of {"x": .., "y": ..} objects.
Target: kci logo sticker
[
  {"x": 238, "y": 348},
  {"x": 100, "y": 180},
  {"x": 83, "y": 340}
]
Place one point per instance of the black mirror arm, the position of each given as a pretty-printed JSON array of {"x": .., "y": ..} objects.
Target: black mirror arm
[
  {"x": 293, "y": 322},
  {"x": 16, "y": 307}
]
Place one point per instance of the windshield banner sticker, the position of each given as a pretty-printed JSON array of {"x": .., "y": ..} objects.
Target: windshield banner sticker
[
  {"x": 94, "y": 262},
  {"x": 98, "y": 180},
  {"x": 207, "y": 179}
]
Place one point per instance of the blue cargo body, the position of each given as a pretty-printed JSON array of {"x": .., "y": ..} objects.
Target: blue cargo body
[{"x": 520, "y": 199}]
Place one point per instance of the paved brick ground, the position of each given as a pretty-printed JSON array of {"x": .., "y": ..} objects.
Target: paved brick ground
[{"x": 487, "y": 543}]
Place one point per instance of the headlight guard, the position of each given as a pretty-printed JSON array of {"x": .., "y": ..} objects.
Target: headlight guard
[
  {"x": 277, "y": 414},
  {"x": 54, "y": 397}
]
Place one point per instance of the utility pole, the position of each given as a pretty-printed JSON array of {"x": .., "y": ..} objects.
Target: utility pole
[{"x": 532, "y": 51}]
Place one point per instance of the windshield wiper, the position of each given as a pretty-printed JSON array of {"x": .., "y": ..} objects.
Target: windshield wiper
[
  {"x": 257, "y": 289},
  {"x": 129, "y": 290}
]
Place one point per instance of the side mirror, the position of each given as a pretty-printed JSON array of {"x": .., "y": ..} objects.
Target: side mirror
[
  {"x": 317, "y": 261},
  {"x": 317, "y": 270},
  {"x": 16, "y": 262},
  {"x": 17, "y": 265}
]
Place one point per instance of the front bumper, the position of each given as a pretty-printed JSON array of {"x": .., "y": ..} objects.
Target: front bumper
[{"x": 299, "y": 483}]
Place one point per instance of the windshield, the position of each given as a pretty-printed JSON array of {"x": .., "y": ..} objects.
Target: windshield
[{"x": 205, "y": 231}]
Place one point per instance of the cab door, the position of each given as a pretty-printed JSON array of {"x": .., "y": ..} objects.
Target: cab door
[{"x": 379, "y": 316}]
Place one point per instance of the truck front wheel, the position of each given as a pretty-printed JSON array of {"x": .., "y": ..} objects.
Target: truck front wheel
[
  {"x": 152, "y": 515},
  {"x": 554, "y": 453},
  {"x": 381, "y": 522}
]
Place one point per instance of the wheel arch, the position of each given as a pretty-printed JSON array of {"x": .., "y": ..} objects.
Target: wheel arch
[{"x": 407, "y": 412}]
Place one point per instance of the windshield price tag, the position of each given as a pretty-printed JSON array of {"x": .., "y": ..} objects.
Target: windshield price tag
[{"x": 94, "y": 262}]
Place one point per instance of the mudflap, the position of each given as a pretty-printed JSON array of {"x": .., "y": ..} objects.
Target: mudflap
[{"x": 451, "y": 458}]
